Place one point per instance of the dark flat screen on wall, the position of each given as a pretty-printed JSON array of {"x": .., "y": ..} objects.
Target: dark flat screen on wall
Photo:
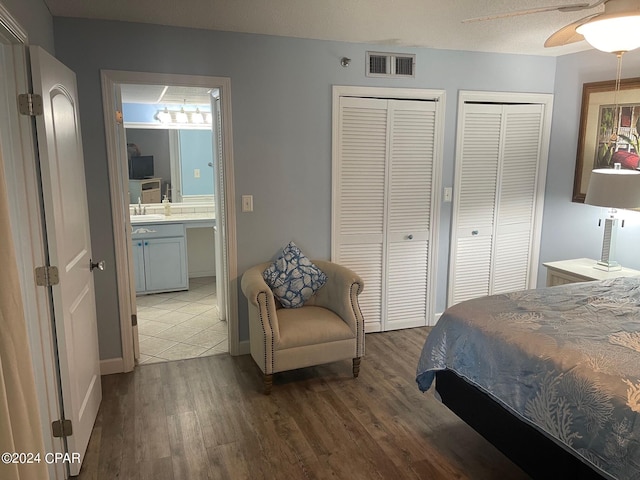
[{"x": 141, "y": 167}]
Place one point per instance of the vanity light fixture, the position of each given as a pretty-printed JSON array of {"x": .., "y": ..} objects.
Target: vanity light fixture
[
  {"x": 181, "y": 116},
  {"x": 164, "y": 116},
  {"x": 197, "y": 117}
]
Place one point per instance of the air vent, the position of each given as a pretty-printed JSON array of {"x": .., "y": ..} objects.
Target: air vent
[
  {"x": 378, "y": 64},
  {"x": 404, "y": 66},
  {"x": 390, "y": 64}
]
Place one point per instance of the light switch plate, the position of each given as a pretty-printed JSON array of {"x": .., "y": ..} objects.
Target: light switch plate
[
  {"x": 247, "y": 203},
  {"x": 447, "y": 194},
  {"x": 196, "y": 173}
]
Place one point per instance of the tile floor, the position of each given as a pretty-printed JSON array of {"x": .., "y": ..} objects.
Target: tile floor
[{"x": 178, "y": 325}]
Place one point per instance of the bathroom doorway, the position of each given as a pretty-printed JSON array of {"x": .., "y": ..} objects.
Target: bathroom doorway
[
  {"x": 171, "y": 141},
  {"x": 176, "y": 322}
]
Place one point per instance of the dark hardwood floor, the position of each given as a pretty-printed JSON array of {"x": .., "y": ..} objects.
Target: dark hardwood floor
[{"x": 207, "y": 418}]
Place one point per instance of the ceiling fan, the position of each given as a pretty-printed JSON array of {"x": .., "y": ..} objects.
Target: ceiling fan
[{"x": 620, "y": 18}]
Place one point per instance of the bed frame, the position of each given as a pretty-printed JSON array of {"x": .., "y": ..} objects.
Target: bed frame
[{"x": 526, "y": 446}]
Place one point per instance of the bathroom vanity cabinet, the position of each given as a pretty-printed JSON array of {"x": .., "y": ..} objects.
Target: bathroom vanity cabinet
[{"x": 160, "y": 257}]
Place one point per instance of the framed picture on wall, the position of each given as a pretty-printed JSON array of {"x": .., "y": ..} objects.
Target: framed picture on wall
[{"x": 607, "y": 134}]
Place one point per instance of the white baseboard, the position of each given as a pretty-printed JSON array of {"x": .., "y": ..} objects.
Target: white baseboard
[
  {"x": 111, "y": 366},
  {"x": 244, "y": 347}
]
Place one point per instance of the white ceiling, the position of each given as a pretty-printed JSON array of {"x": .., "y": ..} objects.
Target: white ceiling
[
  {"x": 164, "y": 94},
  {"x": 420, "y": 23}
]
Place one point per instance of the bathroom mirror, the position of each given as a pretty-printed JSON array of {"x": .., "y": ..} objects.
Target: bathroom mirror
[{"x": 170, "y": 139}]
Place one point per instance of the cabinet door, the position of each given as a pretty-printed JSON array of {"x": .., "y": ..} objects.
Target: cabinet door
[
  {"x": 138, "y": 265},
  {"x": 165, "y": 261}
]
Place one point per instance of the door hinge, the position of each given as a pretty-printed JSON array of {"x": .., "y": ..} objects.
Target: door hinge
[
  {"x": 47, "y": 276},
  {"x": 119, "y": 117},
  {"x": 30, "y": 104},
  {"x": 62, "y": 428},
  {"x": 134, "y": 320}
]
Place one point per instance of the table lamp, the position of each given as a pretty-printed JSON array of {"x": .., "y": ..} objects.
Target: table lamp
[{"x": 612, "y": 188}]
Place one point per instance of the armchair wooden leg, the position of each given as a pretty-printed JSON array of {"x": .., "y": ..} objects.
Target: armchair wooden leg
[
  {"x": 356, "y": 367},
  {"x": 268, "y": 382}
]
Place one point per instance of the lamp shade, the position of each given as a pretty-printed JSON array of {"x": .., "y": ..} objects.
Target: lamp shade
[
  {"x": 612, "y": 33},
  {"x": 614, "y": 188}
]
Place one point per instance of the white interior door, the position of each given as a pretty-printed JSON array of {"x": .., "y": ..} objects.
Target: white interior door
[
  {"x": 219, "y": 233},
  {"x": 478, "y": 153},
  {"x": 501, "y": 158},
  {"x": 384, "y": 202},
  {"x": 69, "y": 244},
  {"x": 130, "y": 282},
  {"x": 412, "y": 150},
  {"x": 359, "y": 199}
]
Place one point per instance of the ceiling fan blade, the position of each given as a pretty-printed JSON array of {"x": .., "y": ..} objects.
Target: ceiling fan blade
[
  {"x": 567, "y": 34},
  {"x": 574, "y": 7}
]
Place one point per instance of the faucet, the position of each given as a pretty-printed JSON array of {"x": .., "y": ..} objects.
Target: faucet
[{"x": 139, "y": 210}]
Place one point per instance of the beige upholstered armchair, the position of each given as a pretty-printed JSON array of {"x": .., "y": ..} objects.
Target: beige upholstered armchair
[{"x": 327, "y": 328}]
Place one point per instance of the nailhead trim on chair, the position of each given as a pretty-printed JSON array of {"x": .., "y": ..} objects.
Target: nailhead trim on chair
[
  {"x": 356, "y": 309},
  {"x": 264, "y": 331}
]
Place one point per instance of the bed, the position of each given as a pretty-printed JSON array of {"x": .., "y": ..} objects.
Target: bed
[{"x": 550, "y": 376}]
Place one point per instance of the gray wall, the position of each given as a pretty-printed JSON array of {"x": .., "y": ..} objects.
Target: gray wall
[
  {"x": 34, "y": 17},
  {"x": 281, "y": 100},
  {"x": 570, "y": 230}
]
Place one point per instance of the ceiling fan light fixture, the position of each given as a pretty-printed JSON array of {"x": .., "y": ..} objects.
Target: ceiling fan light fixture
[{"x": 617, "y": 34}]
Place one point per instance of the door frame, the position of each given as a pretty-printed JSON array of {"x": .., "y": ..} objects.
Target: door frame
[
  {"x": 119, "y": 190},
  {"x": 26, "y": 216}
]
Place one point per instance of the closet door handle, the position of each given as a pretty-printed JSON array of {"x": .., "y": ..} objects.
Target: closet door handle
[
  {"x": 474, "y": 232},
  {"x": 410, "y": 237}
]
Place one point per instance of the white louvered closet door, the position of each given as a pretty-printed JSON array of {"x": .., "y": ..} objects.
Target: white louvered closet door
[
  {"x": 409, "y": 213},
  {"x": 516, "y": 197},
  {"x": 383, "y": 205},
  {"x": 359, "y": 210},
  {"x": 496, "y": 187},
  {"x": 476, "y": 180}
]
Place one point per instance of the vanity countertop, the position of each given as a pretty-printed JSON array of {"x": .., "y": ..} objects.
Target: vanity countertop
[{"x": 189, "y": 219}]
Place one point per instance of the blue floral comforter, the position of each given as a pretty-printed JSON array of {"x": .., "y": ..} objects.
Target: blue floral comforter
[{"x": 566, "y": 359}]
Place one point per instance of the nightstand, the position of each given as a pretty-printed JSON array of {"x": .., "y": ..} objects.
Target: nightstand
[{"x": 581, "y": 270}]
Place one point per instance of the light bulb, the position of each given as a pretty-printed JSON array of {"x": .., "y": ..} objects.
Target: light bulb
[{"x": 619, "y": 34}]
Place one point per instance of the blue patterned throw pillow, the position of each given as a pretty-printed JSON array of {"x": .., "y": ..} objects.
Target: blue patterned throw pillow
[{"x": 293, "y": 278}]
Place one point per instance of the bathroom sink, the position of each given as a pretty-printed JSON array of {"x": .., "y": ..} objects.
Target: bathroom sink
[{"x": 146, "y": 218}]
